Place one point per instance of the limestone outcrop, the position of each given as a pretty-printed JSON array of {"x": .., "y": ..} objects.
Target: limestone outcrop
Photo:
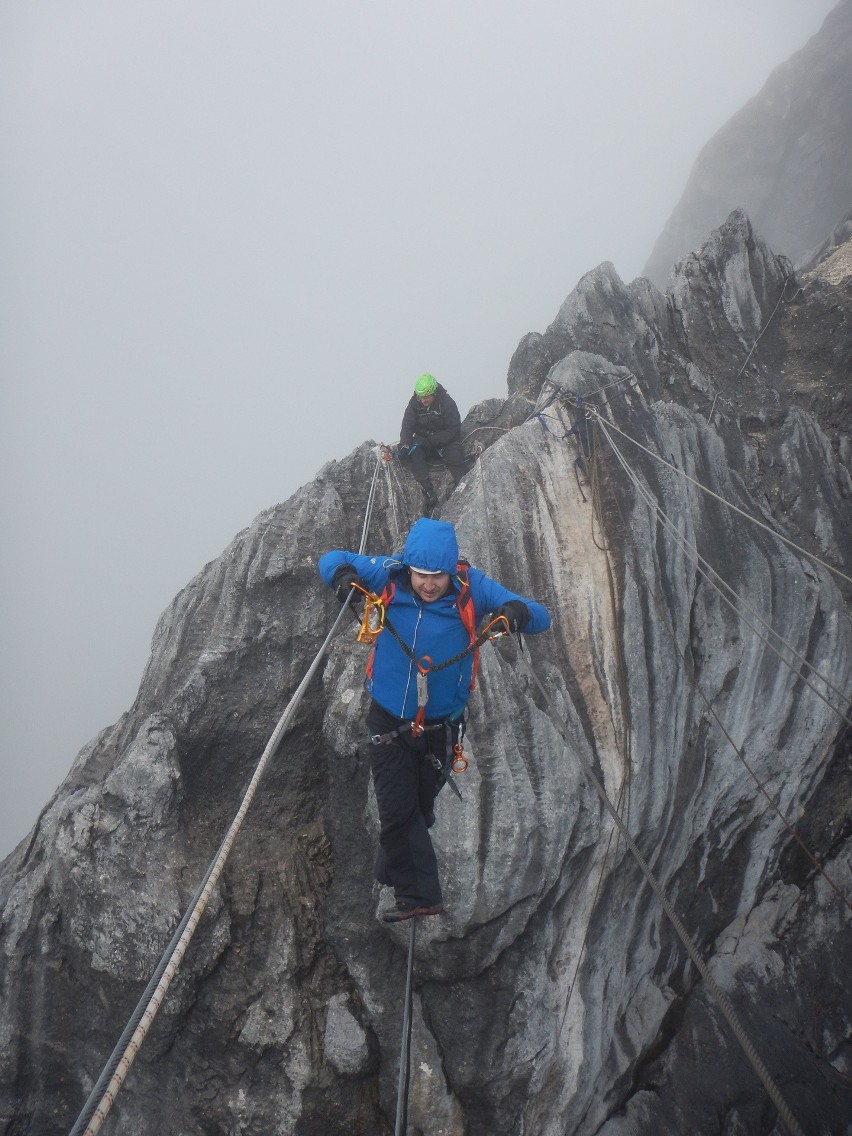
[
  {"x": 699, "y": 664},
  {"x": 785, "y": 157}
]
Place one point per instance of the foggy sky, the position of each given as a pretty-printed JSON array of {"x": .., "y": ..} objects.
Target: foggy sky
[{"x": 232, "y": 235}]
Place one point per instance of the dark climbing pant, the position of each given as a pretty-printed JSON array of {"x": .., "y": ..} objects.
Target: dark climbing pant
[
  {"x": 407, "y": 783},
  {"x": 451, "y": 454}
]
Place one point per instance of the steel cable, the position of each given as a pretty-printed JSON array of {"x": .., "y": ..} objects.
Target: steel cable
[
  {"x": 108, "y": 1085},
  {"x": 718, "y": 994},
  {"x": 736, "y": 603},
  {"x": 722, "y": 500},
  {"x": 404, "y": 1080}
]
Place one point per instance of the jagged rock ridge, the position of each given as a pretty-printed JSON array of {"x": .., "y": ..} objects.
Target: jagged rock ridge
[
  {"x": 553, "y": 997},
  {"x": 785, "y": 157}
]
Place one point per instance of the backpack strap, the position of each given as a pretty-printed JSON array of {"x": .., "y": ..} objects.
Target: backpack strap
[{"x": 467, "y": 613}]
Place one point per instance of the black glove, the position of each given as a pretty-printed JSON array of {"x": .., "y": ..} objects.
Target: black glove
[
  {"x": 342, "y": 581},
  {"x": 402, "y": 452},
  {"x": 516, "y": 613}
]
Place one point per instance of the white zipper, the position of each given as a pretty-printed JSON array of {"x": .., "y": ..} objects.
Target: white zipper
[{"x": 410, "y": 661}]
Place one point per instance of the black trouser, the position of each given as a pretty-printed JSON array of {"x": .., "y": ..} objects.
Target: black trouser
[
  {"x": 451, "y": 453},
  {"x": 407, "y": 783}
]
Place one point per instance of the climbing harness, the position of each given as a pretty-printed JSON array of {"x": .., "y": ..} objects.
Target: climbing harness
[
  {"x": 401, "y": 731},
  {"x": 459, "y": 763},
  {"x": 445, "y": 769},
  {"x": 377, "y": 620},
  {"x": 425, "y": 666}
]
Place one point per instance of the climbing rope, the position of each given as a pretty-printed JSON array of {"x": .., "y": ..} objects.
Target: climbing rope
[
  {"x": 386, "y": 457},
  {"x": 723, "y": 1003},
  {"x": 114, "y": 1074},
  {"x": 404, "y": 1080},
  {"x": 705, "y": 569},
  {"x": 371, "y": 497},
  {"x": 718, "y": 994},
  {"x": 604, "y": 863},
  {"x": 717, "y": 397},
  {"x": 480, "y": 429},
  {"x": 738, "y": 750},
  {"x": 735, "y": 602},
  {"x": 608, "y": 425}
]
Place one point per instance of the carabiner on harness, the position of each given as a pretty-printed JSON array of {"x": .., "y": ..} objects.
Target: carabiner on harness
[
  {"x": 373, "y": 619},
  {"x": 459, "y": 763},
  {"x": 417, "y": 726}
]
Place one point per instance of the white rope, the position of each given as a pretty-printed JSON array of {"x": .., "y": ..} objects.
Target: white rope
[
  {"x": 368, "y": 511},
  {"x": 383, "y": 455},
  {"x": 103, "y": 1095}
]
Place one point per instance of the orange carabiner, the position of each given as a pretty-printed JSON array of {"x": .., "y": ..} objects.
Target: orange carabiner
[
  {"x": 459, "y": 761},
  {"x": 500, "y": 622},
  {"x": 417, "y": 726},
  {"x": 373, "y": 619}
]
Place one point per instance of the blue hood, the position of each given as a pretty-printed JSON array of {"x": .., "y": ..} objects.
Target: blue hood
[{"x": 431, "y": 545}]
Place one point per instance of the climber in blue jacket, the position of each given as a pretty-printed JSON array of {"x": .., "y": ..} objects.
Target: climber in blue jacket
[{"x": 428, "y": 595}]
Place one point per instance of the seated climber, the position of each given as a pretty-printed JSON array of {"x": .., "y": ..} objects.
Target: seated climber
[
  {"x": 433, "y": 602},
  {"x": 431, "y": 428}
]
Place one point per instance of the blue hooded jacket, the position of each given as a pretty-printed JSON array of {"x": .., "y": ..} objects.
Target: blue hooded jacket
[{"x": 434, "y": 631}]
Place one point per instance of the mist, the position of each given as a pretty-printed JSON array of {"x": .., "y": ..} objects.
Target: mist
[{"x": 233, "y": 236}]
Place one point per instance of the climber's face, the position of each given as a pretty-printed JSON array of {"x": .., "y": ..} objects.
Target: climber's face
[{"x": 428, "y": 586}]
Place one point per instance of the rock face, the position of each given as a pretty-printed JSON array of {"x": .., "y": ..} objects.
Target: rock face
[
  {"x": 554, "y": 996},
  {"x": 785, "y": 158}
]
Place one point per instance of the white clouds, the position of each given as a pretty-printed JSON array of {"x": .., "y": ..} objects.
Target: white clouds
[{"x": 233, "y": 234}]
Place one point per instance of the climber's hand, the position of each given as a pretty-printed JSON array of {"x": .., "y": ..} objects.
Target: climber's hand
[
  {"x": 516, "y": 613},
  {"x": 342, "y": 582}
]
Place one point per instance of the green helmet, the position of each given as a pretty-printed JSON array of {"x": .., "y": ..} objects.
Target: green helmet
[{"x": 425, "y": 385}]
